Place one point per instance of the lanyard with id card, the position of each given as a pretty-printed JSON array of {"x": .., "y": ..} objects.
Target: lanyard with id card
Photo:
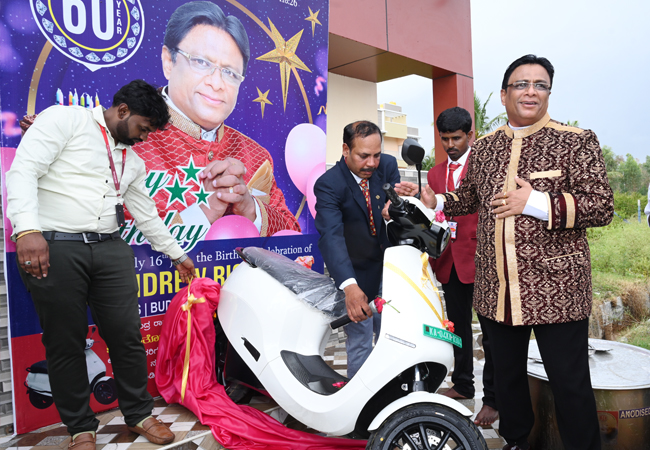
[
  {"x": 453, "y": 225},
  {"x": 119, "y": 207}
]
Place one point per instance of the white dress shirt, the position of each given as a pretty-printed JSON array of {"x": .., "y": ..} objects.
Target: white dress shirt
[
  {"x": 536, "y": 206},
  {"x": 61, "y": 180},
  {"x": 461, "y": 162}
]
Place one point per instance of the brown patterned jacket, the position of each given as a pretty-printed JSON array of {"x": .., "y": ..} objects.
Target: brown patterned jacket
[{"x": 543, "y": 268}]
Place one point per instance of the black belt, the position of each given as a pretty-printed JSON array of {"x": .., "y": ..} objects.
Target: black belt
[{"x": 87, "y": 238}]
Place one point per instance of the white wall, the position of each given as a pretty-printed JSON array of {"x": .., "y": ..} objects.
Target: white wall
[{"x": 348, "y": 100}]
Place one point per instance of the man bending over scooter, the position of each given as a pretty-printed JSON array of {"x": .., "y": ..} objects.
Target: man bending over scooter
[{"x": 349, "y": 200}]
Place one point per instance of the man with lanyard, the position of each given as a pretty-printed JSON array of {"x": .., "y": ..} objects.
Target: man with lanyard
[
  {"x": 72, "y": 173},
  {"x": 455, "y": 268}
]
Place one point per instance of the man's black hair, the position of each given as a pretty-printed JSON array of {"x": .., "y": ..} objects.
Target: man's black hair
[
  {"x": 528, "y": 59},
  {"x": 143, "y": 100},
  {"x": 191, "y": 14},
  {"x": 362, "y": 128},
  {"x": 454, "y": 119}
]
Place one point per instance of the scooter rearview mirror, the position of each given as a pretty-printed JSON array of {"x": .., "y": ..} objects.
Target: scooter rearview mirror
[{"x": 413, "y": 154}]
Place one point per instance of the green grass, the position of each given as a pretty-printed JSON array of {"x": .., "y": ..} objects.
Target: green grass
[
  {"x": 620, "y": 250},
  {"x": 638, "y": 335}
]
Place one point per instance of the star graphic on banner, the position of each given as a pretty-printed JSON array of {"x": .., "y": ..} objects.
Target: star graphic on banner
[
  {"x": 176, "y": 192},
  {"x": 313, "y": 18},
  {"x": 202, "y": 196},
  {"x": 191, "y": 171},
  {"x": 285, "y": 55},
  {"x": 262, "y": 100}
]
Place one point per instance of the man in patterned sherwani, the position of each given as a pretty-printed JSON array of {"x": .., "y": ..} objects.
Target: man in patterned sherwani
[
  {"x": 537, "y": 185},
  {"x": 204, "y": 57}
]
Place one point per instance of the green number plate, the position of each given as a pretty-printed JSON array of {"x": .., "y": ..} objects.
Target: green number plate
[{"x": 443, "y": 335}]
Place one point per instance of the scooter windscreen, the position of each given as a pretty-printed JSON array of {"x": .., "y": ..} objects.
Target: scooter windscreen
[
  {"x": 315, "y": 289},
  {"x": 414, "y": 224}
]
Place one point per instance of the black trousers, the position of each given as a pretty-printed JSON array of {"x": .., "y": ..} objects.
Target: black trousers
[
  {"x": 563, "y": 348},
  {"x": 458, "y": 298},
  {"x": 100, "y": 276}
]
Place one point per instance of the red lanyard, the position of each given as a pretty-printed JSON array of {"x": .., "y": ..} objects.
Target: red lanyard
[{"x": 110, "y": 159}]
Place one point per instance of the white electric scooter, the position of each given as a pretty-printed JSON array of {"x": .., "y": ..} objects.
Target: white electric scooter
[
  {"x": 38, "y": 380},
  {"x": 277, "y": 317}
]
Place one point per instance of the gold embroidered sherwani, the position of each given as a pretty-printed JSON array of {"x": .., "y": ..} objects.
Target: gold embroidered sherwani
[{"x": 541, "y": 269}]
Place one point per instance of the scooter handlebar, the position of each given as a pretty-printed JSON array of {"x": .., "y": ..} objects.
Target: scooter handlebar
[
  {"x": 392, "y": 196},
  {"x": 344, "y": 320}
]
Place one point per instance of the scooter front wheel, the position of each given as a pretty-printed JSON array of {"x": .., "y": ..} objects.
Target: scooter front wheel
[
  {"x": 427, "y": 426},
  {"x": 40, "y": 401}
]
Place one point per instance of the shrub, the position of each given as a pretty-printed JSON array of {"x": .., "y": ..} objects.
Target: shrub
[
  {"x": 626, "y": 206},
  {"x": 621, "y": 248}
]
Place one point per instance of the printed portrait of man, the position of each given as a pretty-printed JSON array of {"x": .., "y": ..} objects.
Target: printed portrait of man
[{"x": 205, "y": 55}]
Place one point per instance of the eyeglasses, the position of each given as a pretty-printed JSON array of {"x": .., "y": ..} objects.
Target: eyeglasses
[
  {"x": 524, "y": 85},
  {"x": 203, "y": 67}
]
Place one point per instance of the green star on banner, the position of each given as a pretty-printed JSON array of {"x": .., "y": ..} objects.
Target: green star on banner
[
  {"x": 176, "y": 192},
  {"x": 191, "y": 171},
  {"x": 202, "y": 196}
]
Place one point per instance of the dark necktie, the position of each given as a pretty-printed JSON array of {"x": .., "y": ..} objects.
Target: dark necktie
[
  {"x": 366, "y": 194},
  {"x": 450, "y": 177}
]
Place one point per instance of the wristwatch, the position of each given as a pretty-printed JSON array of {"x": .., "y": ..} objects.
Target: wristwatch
[{"x": 180, "y": 260}]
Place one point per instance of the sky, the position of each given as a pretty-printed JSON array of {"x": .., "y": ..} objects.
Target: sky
[{"x": 601, "y": 54}]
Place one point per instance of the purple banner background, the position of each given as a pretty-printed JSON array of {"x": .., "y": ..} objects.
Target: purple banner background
[{"x": 31, "y": 73}]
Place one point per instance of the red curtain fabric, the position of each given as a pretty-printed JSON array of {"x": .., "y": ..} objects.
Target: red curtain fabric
[{"x": 234, "y": 426}]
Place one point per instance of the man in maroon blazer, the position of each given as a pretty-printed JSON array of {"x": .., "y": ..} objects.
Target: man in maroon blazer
[{"x": 455, "y": 269}]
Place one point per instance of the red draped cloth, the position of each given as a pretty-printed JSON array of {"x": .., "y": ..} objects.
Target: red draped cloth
[{"x": 234, "y": 426}]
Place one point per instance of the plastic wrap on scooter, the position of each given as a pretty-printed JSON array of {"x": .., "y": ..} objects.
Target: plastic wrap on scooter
[{"x": 315, "y": 289}]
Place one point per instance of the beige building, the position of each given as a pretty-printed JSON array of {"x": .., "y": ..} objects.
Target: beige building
[
  {"x": 393, "y": 124},
  {"x": 351, "y": 99}
]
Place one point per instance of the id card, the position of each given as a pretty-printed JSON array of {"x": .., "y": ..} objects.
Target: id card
[
  {"x": 119, "y": 211},
  {"x": 453, "y": 227}
]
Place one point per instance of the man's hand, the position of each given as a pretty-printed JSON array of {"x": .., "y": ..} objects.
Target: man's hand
[
  {"x": 186, "y": 270},
  {"x": 26, "y": 122},
  {"x": 428, "y": 197},
  {"x": 356, "y": 303},
  {"x": 33, "y": 248},
  {"x": 384, "y": 212},
  {"x": 406, "y": 188},
  {"x": 226, "y": 178},
  {"x": 513, "y": 202}
]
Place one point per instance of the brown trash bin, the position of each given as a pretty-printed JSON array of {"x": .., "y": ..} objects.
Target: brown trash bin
[{"x": 620, "y": 377}]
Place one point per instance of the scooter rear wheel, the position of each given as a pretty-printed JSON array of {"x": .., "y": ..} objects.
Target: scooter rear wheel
[
  {"x": 105, "y": 391},
  {"x": 427, "y": 427}
]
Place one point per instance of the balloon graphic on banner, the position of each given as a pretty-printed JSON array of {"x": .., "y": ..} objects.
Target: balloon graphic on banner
[
  {"x": 311, "y": 180},
  {"x": 288, "y": 233},
  {"x": 232, "y": 227},
  {"x": 304, "y": 150}
]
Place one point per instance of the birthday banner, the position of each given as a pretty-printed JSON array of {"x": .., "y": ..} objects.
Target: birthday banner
[{"x": 80, "y": 52}]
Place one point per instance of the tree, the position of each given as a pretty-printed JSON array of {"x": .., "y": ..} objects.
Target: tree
[
  {"x": 573, "y": 123},
  {"x": 429, "y": 161},
  {"x": 483, "y": 124},
  {"x": 631, "y": 179}
]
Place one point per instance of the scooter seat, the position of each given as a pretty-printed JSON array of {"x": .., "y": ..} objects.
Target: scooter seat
[
  {"x": 317, "y": 290},
  {"x": 38, "y": 367}
]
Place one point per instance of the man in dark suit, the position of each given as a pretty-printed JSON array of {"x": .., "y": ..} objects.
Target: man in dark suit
[
  {"x": 455, "y": 268},
  {"x": 349, "y": 200}
]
